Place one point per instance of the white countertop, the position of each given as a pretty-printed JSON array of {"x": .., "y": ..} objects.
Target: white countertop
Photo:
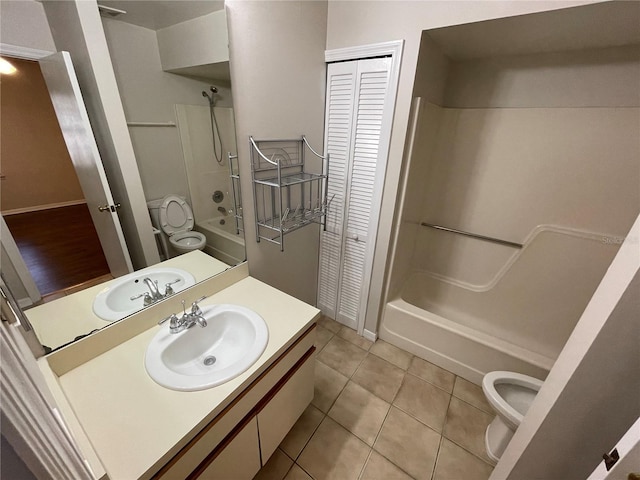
[
  {"x": 60, "y": 321},
  {"x": 132, "y": 422}
]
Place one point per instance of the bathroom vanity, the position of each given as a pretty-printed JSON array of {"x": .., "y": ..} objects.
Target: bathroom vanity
[{"x": 129, "y": 427}]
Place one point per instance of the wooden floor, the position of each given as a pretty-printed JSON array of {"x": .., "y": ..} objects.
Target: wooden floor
[{"x": 60, "y": 246}]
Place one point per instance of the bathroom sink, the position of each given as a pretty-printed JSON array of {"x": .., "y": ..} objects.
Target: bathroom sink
[
  {"x": 114, "y": 302},
  {"x": 203, "y": 357}
]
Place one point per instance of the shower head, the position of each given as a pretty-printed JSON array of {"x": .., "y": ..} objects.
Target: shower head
[
  {"x": 209, "y": 97},
  {"x": 214, "y": 90}
]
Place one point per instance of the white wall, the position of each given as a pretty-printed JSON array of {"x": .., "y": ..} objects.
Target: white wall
[
  {"x": 360, "y": 23},
  {"x": 76, "y": 28},
  {"x": 149, "y": 95},
  {"x": 597, "y": 77},
  {"x": 200, "y": 41},
  {"x": 278, "y": 77},
  {"x": 24, "y": 23}
]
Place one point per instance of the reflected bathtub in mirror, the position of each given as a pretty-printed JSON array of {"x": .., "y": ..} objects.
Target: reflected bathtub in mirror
[{"x": 223, "y": 239}]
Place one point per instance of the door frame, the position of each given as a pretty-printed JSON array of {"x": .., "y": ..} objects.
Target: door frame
[{"x": 394, "y": 50}]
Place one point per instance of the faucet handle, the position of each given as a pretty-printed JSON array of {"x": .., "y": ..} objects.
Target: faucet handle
[
  {"x": 171, "y": 317},
  {"x": 195, "y": 308},
  {"x": 167, "y": 287}
]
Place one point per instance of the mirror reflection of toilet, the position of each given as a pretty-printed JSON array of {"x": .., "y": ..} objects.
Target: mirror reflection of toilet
[
  {"x": 510, "y": 395},
  {"x": 174, "y": 217}
]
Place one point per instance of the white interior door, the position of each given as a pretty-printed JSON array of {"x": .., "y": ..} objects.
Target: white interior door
[
  {"x": 68, "y": 104},
  {"x": 357, "y": 99}
]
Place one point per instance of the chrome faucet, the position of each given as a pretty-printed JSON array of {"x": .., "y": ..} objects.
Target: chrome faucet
[
  {"x": 223, "y": 211},
  {"x": 153, "y": 288},
  {"x": 154, "y": 295},
  {"x": 188, "y": 320}
]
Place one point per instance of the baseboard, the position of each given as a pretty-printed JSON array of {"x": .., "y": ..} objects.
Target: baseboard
[
  {"x": 371, "y": 336},
  {"x": 38, "y": 208}
]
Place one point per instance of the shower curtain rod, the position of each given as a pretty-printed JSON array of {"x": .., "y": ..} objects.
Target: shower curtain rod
[{"x": 473, "y": 235}]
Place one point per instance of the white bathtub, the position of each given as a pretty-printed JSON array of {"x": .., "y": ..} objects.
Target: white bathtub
[
  {"x": 223, "y": 242},
  {"x": 458, "y": 348}
]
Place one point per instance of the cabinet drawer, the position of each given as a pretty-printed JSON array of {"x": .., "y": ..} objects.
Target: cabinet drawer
[
  {"x": 239, "y": 459},
  {"x": 283, "y": 410}
]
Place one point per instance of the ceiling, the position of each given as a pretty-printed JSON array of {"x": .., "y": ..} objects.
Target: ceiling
[{"x": 157, "y": 14}]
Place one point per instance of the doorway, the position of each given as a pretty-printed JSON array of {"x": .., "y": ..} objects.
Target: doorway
[{"x": 41, "y": 199}]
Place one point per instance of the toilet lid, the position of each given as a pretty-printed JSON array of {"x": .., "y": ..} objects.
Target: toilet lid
[{"x": 175, "y": 215}]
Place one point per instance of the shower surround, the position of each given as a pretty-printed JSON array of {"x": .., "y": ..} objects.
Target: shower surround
[
  {"x": 557, "y": 175},
  {"x": 206, "y": 176}
]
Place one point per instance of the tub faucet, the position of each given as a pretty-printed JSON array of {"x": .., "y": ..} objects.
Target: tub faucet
[{"x": 223, "y": 211}]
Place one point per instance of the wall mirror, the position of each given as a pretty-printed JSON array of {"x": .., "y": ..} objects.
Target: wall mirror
[{"x": 179, "y": 112}]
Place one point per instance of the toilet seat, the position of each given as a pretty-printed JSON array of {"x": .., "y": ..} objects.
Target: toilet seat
[
  {"x": 176, "y": 220},
  {"x": 175, "y": 215},
  {"x": 519, "y": 390},
  {"x": 184, "y": 241}
]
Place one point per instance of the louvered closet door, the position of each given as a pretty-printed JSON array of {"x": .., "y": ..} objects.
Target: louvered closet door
[
  {"x": 346, "y": 254},
  {"x": 341, "y": 83}
]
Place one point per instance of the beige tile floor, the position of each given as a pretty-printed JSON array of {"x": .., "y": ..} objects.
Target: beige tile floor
[{"x": 380, "y": 413}]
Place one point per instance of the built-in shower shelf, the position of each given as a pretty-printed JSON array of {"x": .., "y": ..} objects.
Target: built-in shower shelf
[{"x": 286, "y": 197}]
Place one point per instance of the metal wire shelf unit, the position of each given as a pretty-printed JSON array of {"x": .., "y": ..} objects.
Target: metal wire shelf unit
[
  {"x": 286, "y": 196},
  {"x": 234, "y": 173}
]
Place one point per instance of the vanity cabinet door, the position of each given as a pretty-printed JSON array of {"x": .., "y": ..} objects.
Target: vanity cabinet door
[
  {"x": 282, "y": 411},
  {"x": 239, "y": 459}
]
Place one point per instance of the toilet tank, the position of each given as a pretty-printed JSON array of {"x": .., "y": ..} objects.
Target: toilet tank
[{"x": 154, "y": 211}]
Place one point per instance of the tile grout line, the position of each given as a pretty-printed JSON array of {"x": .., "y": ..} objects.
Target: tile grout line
[
  {"x": 446, "y": 416},
  {"x": 301, "y": 468},
  {"x": 435, "y": 463},
  {"x": 364, "y": 465},
  {"x": 310, "y": 436},
  {"x": 469, "y": 451}
]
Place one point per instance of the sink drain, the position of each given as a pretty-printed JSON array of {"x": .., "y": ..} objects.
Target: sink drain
[{"x": 208, "y": 361}]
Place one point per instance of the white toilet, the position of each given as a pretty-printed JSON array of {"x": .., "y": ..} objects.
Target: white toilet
[
  {"x": 510, "y": 394},
  {"x": 175, "y": 218}
]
